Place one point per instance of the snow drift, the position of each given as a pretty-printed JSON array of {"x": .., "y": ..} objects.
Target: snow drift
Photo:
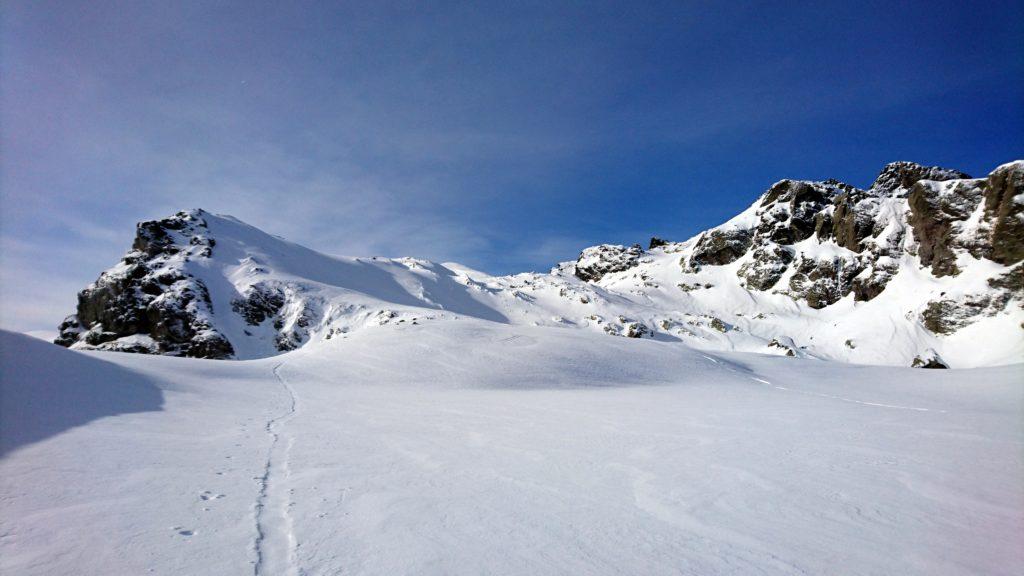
[{"x": 45, "y": 390}]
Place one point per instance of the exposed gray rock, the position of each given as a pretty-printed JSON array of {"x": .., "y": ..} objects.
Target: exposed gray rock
[
  {"x": 624, "y": 327},
  {"x": 636, "y": 330},
  {"x": 823, "y": 282},
  {"x": 685, "y": 287},
  {"x": 718, "y": 324},
  {"x": 946, "y": 316},
  {"x": 69, "y": 331},
  {"x": 934, "y": 209},
  {"x": 259, "y": 303},
  {"x": 853, "y": 219},
  {"x": 872, "y": 282},
  {"x": 942, "y": 206},
  {"x": 768, "y": 264},
  {"x": 1010, "y": 284},
  {"x": 791, "y": 209},
  {"x": 1004, "y": 207}
]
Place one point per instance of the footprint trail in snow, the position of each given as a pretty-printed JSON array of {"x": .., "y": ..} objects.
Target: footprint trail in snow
[{"x": 275, "y": 544}]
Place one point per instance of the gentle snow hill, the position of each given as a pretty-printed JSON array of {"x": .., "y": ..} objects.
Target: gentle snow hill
[
  {"x": 922, "y": 268},
  {"x": 467, "y": 446}
]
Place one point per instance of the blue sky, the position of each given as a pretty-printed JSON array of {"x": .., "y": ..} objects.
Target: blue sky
[{"x": 504, "y": 138}]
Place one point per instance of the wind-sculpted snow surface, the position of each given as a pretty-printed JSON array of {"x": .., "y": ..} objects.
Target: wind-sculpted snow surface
[
  {"x": 923, "y": 268},
  {"x": 468, "y": 446},
  {"x": 45, "y": 391}
]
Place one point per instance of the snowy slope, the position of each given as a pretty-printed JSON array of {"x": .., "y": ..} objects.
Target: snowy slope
[{"x": 470, "y": 446}]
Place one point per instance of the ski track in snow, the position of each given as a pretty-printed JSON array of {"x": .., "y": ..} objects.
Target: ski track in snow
[
  {"x": 275, "y": 543},
  {"x": 851, "y": 400}
]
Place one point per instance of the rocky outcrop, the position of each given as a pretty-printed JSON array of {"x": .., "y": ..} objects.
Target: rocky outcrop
[
  {"x": 148, "y": 303},
  {"x": 929, "y": 359},
  {"x": 873, "y": 279},
  {"x": 982, "y": 217},
  {"x": 597, "y": 261},
  {"x": 656, "y": 243},
  {"x": 767, "y": 265},
  {"x": 1010, "y": 284},
  {"x": 791, "y": 209},
  {"x": 259, "y": 303},
  {"x": 720, "y": 247},
  {"x": 786, "y": 348},
  {"x": 289, "y": 315},
  {"x": 822, "y": 282},
  {"x": 947, "y": 315}
]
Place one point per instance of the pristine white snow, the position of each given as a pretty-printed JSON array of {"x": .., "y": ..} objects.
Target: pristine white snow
[{"x": 469, "y": 446}]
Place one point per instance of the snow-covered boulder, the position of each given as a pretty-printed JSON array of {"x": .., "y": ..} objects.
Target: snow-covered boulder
[
  {"x": 928, "y": 359},
  {"x": 596, "y": 261}
]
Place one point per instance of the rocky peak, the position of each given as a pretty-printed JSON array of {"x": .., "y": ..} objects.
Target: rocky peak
[
  {"x": 656, "y": 243},
  {"x": 897, "y": 178},
  {"x": 149, "y": 302},
  {"x": 166, "y": 236}
]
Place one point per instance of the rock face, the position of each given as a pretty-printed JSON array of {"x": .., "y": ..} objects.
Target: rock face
[
  {"x": 820, "y": 243},
  {"x": 790, "y": 209},
  {"x": 149, "y": 303},
  {"x": 937, "y": 213},
  {"x": 1004, "y": 209}
]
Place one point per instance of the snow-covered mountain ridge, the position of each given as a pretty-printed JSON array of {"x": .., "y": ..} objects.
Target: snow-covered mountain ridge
[{"x": 923, "y": 267}]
